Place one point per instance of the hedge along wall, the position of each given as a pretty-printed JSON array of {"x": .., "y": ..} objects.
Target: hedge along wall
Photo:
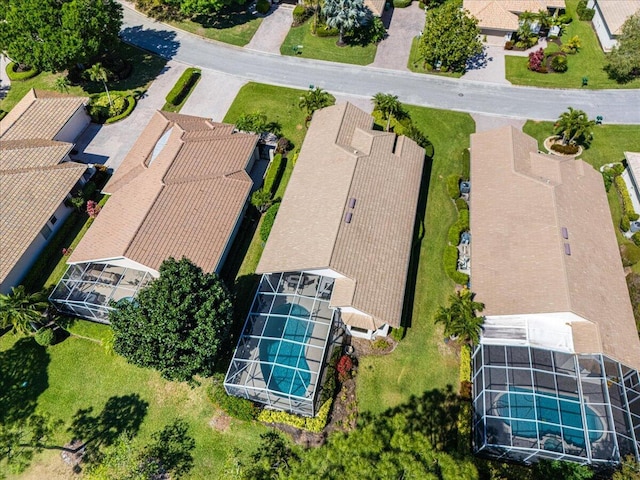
[
  {"x": 627, "y": 204},
  {"x": 267, "y": 221},
  {"x": 315, "y": 424},
  {"x": 183, "y": 86},
  {"x": 274, "y": 174}
]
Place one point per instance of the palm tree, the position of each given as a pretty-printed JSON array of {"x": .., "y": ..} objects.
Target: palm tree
[
  {"x": 19, "y": 309},
  {"x": 543, "y": 18},
  {"x": 313, "y": 100},
  {"x": 345, "y": 15},
  {"x": 97, "y": 73},
  {"x": 574, "y": 126},
  {"x": 62, "y": 84},
  {"x": 460, "y": 319},
  {"x": 388, "y": 105}
]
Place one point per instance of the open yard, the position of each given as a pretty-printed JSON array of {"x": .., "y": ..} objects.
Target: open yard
[
  {"x": 325, "y": 48},
  {"x": 235, "y": 27},
  {"x": 588, "y": 62}
]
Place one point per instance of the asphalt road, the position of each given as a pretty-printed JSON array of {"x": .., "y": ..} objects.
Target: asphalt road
[{"x": 616, "y": 106}]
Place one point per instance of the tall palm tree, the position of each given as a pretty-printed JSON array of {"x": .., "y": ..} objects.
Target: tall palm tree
[
  {"x": 345, "y": 15},
  {"x": 62, "y": 84},
  {"x": 97, "y": 73},
  {"x": 314, "y": 99},
  {"x": 574, "y": 126},
  {"x": 389, "y": 105},
  {"x": 460, "y": 319},
  {"x": 19, "y": 309}
]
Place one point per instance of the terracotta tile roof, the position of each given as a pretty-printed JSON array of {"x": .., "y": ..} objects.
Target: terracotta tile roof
[
  {"x": 28, "y": 198},
  {"x": 19, "y": 154},
  {"x": 183, "y": 202},
  {"x": 503, "y": 14},
  {"x": 376, "y": 6},
  {"x": 40, "y": 114},
  {"x": 616, "y": 12},
  {"x": 520, "y": 202},
  {"x": 342, "y": 158}
]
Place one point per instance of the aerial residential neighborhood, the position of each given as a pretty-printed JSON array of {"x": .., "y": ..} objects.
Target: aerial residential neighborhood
[{"x": 333, "y": 239}]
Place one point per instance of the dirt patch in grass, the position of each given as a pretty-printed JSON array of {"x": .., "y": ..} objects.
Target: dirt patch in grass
[
  {"x": 364, "y": 347},
  {"x": 220, "y": 422}
]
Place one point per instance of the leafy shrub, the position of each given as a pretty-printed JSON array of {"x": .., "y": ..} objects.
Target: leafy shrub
[
  {"x": 609, "y": 173},
  {"x": 463, "y": 219},
  {"x": 101, "y": 110},
  {"x": 401, "y": 3},
  {"x": 583, "y": 12},
  {"x": 130, "y": 105},
  {"x": 344, "y": 367},
  {"x": 636, "y": 239},
  {"x": 398, "y": 333},
  {"x": 274, "y": 174},
  {"x": 508, "y": 45},
  {"x": 19, "y": 76},
  {"x": 633, "y": 284},
  {"x": 572, "y": 46},
  {"x": 371, "y": 33},
  {"x": 536, "y": 60},
  {"x": 454, "y": 234},
  {"x": 633, "y": 216},
  {"x": 380, "y": 344},
  {"x": 235, "y": 407},
  {"x": 267, "y": 221},
  {"x": 559, "y": 64},
  {"x": 630, "y": 254},
  {"x": 568, "y": 149},
  {"x": 45, "y": 337},
  {"x": 625, "y": 224},
  {"x": 300, "y": 14},
  {"x": 465, "y": 389},
  {"x": 450, "y": 263},
  {"x": 564, "y": 19},
  {"x": 461, "y": 204},
  {"x": 262, "y": 6},
  {"x": 322, "y": 30},
  {"x": 183, "y": 86},
  {"x": 453, "y": 186},
  {"x": 315, "y": 424},
  {"x": 330, "y": 385},
  {"x": 466, "y": 163},
  {"x": 465, "y": 363},
  {"x": 627, "y": 204}
]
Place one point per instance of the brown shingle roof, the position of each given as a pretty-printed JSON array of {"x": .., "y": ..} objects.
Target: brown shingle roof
[
  {"x": 183, "y": 202},
  {"x": 40, "y": 114},
  {"x": 616, "y": 12},
  {"x": 503, "y": 14},
  {"x": 342, "y": 158},
  {"x": 520, "y": 202}
]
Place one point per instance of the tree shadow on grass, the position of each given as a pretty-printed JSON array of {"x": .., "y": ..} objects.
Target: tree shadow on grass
[
  {"x": 23, "y": 377},
  {"x": 120, "y": 414},
  {"x": 227, "y": 18},
  {"x": 160, "y": 42}
]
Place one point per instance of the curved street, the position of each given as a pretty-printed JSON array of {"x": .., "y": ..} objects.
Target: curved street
[{"x": 616, "y": 106}]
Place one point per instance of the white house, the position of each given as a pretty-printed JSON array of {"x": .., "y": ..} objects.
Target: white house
[{"x": 609, "y": 17}]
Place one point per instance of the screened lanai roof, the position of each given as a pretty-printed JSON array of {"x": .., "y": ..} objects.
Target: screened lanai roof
[{"x": 281, "y": 352}]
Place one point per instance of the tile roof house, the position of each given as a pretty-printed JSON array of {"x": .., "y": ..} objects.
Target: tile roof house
[
  {"x": 500, "y": 17},
  {"x": 181, "y": 191},
  {"x": 609, "y": 17},
  {"x": 546, "y": 264},
  {"x": 36, "y": 176}
]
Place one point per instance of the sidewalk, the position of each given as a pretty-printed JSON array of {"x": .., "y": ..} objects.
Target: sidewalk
[{"x": 273, "y": 30}]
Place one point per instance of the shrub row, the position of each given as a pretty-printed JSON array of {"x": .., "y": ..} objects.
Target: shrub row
[
  {"x": 131, "y": 104},
  {"x": 627, "y": 204},
  {"x": 461, "y": 204},
  {"x": 236, "y": 407},
  {"x": 465, "y": 363},
  {"x": 300, "y": 14},
  {"x": 398, "y": 333},
  {"x": 453, "y": 186},
  {"x": 630, "y": 254},
  {"x": 450, "y": 262},
  {"x": 315, "y": 424},
  {"x": 608, "y": 174},
  {"x": 568, "y": 149},
  {"x": 274, "y": 174},
  {"x": 16, "y": 76},
  {"x": 330, "y": 385},
  {"x": 401, "y": 3},
  {"x": 583, "y": 12},
  {"x": 263, "y": 6},
  {"x": 183, "y": 86},
  {"x": 267, "y": 221},
  {"x": 461, "y": 225}
]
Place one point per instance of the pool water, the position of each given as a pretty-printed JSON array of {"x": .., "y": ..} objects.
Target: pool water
[
  {"x": 525, "y": 406},
  {"x": 284, "y": 363}
]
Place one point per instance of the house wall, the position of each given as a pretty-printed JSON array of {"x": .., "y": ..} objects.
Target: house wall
[
  {"x": 74, "y": 126},
  {"x": 383, "y": 331},
  {"x": 607, "y": 39}
]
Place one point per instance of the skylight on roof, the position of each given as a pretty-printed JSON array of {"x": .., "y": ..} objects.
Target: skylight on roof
[{"x": 160, "y": 144}]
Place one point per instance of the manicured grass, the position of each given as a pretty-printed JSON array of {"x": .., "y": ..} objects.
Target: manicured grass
[
  {"x": 422, "y": 361},
  {"x": 325, "y": 48},
  {"x": 417, "y": 64},
  {"x": 237, "y": 28},
  {"x": 145, "y": 69},
  {"x": 588, "y": 62}
]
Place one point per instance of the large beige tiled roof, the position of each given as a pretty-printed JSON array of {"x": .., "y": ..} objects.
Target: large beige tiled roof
[
  {"x": 520, "y": 202},
  {"x": 503, "y": 14},
  {"x": 343, "y": 159},
  {"x": 36, "y": 153},
  {"x": 376, "y": 6},
  {"x": 183, "y": 202},
  {"x": 40, "y": 114},
  {"x": 616, "y": 12}
]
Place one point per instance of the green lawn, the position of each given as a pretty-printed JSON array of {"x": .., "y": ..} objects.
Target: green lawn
[
  {"x": 588, "y": 62},
  {"x": 417, "y": 64},
  {"x": 325, "y": 48},
  {"x": 237, "y": 28},
  {"x": 422, "y": 361},
  {"x": 146, "y": 68}
]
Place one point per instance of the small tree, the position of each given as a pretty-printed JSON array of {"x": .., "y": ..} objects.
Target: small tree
[
  {"x": 177, "y": 324},
  {"x": 261, "y": 199},
  {"x": 575, "y": 127},
  {"x": 97, "y": 73},
  {"x": 255, "y": 122},
  {"x": 572, "y": 46},
  {"x": 623, "y": 63},
  {"x": 62, "y": 84},
  {"x": 20, "y": 309},
  {"x": 460, "y": 319},
  {"x": 388, "y": 105},
  {"x": 345, "y": 15},
  {"x": 315, "y": 99}
]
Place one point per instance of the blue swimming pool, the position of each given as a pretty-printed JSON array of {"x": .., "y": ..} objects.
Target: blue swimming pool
[
  {"x": 563, "y": 410},
  {"x": 285, "y": 363}
]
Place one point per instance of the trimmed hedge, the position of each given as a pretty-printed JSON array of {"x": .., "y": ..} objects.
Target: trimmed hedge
[
  {"x": 630, "y": 254},
  {"x": 235, "y": 407},
  {"x": 627, "y": 204},
  {"x": 131, "y": 104},
  {"x": 465, "y": 363},
  {"x": 45, "y": 337},
  {"x": 315, "y": 424},
  {"x": 463, "y": 219},
  {"x": 461, "y": 204},
  {"x": 453, "y": 186},
  {"x": 262, "y": 6},
  {"x": 625, "y": 224},
  {"x": 300, "y": 15},
  {"x": 324, "y": 31},
  {"x": 454, "y": 234},
  {"x": 183, "y": 86},
  {"x": 636, "y": 238},
  {"x": 466, "y": 163},
  {"x": 15, "y": 76},
  {"x": 585, "y": 13},
  {"x": 398, "y": 333},
  {"x": 401, "y": 3},
  {"x": 450, "y": 263},
  {"x": 274, "y": 174},
  {"x": 267, "y": 221}
]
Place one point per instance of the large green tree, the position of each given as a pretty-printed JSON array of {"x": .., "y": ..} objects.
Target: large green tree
[
  {"x": 19, "y": 309},
  {"x": 53, "y": 35},
  {"x": 460, "y": 317},
  {"x": 345, "y": 15},
  {"x": 574, "y": 126},
  {"x": 451, "y": 36},
  {"x": 389, "y": 105},
  {"x": 177, "y": 325},
  {"x": 623, "y": 63}
]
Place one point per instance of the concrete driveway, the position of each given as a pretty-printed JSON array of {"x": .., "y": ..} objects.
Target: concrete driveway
[
  {"x": 406, "y": 24},
  {"x": 213, "y": 95},
  {"x": 273, "y": 30}
]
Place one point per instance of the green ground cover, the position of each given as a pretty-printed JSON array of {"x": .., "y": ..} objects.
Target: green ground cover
[
  {"x": 146, "y": 68},
  {"x": 422, "y": 361},
  {"x": 237, "y": 28},
  {"x": 416, "y": 63},
  {"x": 588, "y": 62},
  {"x": 325, "y": 48}
]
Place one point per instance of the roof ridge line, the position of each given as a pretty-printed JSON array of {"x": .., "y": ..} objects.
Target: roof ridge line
[{"x": 57, "y": 166}]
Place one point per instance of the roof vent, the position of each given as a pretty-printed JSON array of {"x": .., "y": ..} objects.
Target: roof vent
[
  {"x": 567, "y": 249},
  {"x": 565, "y": 233},
  {"x": 352, "y": 202},
  {"x": 347, "y": 217}
]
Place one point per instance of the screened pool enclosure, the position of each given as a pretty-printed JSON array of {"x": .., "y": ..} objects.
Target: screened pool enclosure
[
  {"x": 531, "y": 403},
  {"x": 86, "y": 289},
  {"x": 281, "y": 352}
]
